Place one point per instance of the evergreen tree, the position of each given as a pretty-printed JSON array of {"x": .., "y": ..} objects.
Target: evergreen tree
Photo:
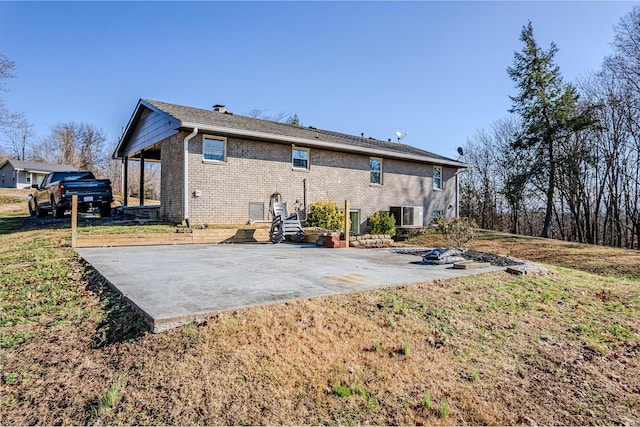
[
  {"x": 294, "y": 120},
  {"x": 548, "y": 109}
]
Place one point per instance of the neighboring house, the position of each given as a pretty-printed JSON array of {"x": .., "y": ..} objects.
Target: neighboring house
[
  {"x": 222, "y": 168},
  {"x": 19, "y": 174}
]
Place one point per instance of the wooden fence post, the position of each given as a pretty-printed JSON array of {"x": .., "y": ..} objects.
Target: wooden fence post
[{"x": 74, "y": 220}]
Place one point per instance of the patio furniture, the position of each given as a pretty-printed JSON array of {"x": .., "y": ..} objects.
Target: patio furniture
[{"x": 284, "y": 224}]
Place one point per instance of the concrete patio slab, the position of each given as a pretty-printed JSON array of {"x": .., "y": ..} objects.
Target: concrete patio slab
[{"x": 172, "y": 285}]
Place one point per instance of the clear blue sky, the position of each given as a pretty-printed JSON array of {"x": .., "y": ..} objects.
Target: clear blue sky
[{"x": 436, "y": 70}]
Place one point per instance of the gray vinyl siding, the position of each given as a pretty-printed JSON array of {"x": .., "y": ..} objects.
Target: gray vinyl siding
[
  {"x": 6, "y": 176},
  {"x": 152, "y": 126}
]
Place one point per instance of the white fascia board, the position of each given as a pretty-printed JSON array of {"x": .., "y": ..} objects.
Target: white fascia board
[{"x": 325, "y": 144}]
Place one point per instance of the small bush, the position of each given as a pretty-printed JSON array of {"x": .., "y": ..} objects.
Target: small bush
[
  {"x": 325, "y": 215},
  {"x": 456, "y": 231},
  {"x": 382, "y": 223}
]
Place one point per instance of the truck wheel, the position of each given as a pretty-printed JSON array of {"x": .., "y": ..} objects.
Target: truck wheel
[
  {"x": 39, "y": 212},
  {"x": 57, "y": 211},
  {"x": 105, "y": 211}
]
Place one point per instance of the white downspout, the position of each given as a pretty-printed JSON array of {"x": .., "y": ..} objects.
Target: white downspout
[
  {"x": 458, "y": 193},
  {"x": 186, "y": 175}
]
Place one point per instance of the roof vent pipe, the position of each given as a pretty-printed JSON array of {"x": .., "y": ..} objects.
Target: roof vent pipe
[{"x": 186, "y": 176}]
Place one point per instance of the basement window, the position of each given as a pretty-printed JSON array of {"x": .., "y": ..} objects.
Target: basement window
[{"x": 214, "y": 149}]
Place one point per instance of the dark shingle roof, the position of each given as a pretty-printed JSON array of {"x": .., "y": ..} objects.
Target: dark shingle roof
[
  {"x": 201, "y": 117},
  {"x": 39, "y": 167}
]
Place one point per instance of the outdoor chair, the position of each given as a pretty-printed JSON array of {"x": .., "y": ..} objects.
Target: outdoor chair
[{"x": 284, "y": 224}]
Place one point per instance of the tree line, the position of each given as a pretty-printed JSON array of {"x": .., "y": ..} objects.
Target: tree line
[{"x": 565, "y": 162}]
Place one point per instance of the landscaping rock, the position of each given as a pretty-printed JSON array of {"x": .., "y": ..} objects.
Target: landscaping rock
[
  {"x": 370, "y": 240},
  {"x": 469, "y": 254},
  {"x": 528, "y": 268},
  {"x": 439, "y": 256}
]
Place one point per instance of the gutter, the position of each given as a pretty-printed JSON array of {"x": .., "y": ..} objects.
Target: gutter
[
  {"x": 324, "y": 144},
  {"x": 186, "y": 175}
]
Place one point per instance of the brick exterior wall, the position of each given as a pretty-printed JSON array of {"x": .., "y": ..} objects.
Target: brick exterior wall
[
  {"x": 254, "y": 170},
  {"x": 172, "y": 178}
]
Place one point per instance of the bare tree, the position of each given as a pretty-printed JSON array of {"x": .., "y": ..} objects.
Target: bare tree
[
  {"x": 19, "y": 138},
  {"x": 76, "y": 144},
  {"x": 7, "y": 71},
  {"x": 256, "y": 113},
  {"x": 92, "y": 150},
  {"x": 261, "y": 113},
  {"x": 625, "y": 62},
  {"x": 479, "y": 184},
  {"x": 623, "y": 68}
]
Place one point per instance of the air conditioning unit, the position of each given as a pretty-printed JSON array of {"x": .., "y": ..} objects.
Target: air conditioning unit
[{"x": 408, "y": 216}]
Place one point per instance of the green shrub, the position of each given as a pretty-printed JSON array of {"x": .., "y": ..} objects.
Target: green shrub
[
  {"x": 325, "y": 215},
  {"x": 456, "y": 231},
  {"x": 382, "y": 223}
]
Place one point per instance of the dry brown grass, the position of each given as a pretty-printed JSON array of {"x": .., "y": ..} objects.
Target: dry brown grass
[
  {"x": 501, "y": 350},
  {"x": 12, "y": 200},
  {"x": 561, "y": 349}
]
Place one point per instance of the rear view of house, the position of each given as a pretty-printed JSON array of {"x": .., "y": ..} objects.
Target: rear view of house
[
  {"x": 20, "y": 174},
  {"x": 222, "y": 168}
]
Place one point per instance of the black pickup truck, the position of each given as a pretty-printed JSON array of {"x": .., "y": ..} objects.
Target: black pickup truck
[{"x": 55, "y": 193}]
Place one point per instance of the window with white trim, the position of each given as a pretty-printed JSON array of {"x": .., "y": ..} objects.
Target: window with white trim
[
  {"x": 214, "y": 148},
  {"x": 437, "y": 178},
  {"x": 375, "y": 171},
  {"x": 300, "y": 158}
]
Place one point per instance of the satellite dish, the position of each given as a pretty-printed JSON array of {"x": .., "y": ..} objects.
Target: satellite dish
[
  {"x": 460, "y": 151},
  {"x": 400, "y": 135}
]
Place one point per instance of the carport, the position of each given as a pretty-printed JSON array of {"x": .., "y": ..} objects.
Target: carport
[{"x": 174, "y": 284}]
